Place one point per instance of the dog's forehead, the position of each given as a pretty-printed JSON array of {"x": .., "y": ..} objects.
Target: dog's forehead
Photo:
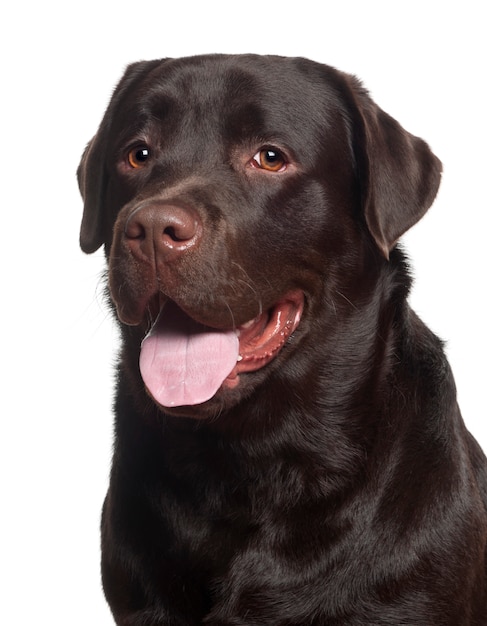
[
  {"x": 248, "y": 94},
  {"x": 235, "y": 77}
]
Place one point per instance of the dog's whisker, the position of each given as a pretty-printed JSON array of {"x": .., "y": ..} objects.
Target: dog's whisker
[
  {"x": 346, "y": 299},
  {"x": 229, "y": 308}
]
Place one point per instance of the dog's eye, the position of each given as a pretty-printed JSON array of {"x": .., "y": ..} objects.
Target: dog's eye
[
  {"x": 269, "y": 159},
  {"x": 138, "y": 157}
]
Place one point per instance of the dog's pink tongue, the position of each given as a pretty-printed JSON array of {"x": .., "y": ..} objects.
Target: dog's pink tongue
[{"x": 184, "y": 363}]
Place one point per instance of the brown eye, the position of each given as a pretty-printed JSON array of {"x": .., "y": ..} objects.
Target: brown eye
[
  {"x": 270, "y": 159},
  {"x": 138, "y": 157}
]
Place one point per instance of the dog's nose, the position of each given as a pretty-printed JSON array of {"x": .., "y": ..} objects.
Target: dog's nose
[{"x": 166, "y": 230}]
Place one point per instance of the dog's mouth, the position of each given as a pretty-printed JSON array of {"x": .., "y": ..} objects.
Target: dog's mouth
[{"x": 184, "y": 363}]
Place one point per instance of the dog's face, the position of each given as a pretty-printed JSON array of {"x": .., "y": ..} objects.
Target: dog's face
[{"x": 242, "y": 201}]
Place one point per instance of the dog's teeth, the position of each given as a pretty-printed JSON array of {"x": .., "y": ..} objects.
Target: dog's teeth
[
  {"x": 239, "y": 358},
  {"x": 247, "y": 324}
]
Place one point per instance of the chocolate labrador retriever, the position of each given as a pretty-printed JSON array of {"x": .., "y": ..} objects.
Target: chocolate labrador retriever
[{"x": 288, "y": 446}]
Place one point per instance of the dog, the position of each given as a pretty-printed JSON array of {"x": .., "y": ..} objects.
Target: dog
[{"x": 288, "y": 445}]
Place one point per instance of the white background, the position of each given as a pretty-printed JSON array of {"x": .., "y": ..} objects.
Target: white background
[{"x": 424, "y": 63}]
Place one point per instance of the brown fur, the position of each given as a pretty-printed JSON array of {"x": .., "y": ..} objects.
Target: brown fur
[{"x": 336, "y": 484}]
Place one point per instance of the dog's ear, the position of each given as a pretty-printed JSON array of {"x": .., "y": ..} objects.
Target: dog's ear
[
  {"x": 399, "y": 174},
  {"x": 92, "y": 176},
  {"x": 91, "y": 181}
]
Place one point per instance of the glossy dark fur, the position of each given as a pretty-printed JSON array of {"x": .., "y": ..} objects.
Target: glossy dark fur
[{"x": 338, "y": 484}]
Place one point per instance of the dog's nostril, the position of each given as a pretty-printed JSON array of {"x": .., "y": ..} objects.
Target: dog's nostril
[
  {"x": 171, "y": 232},
  {"x": 181, "y": 230},
  {"x": 134, "y": 229}
]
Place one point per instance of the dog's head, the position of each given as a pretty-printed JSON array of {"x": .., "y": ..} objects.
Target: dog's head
[{"x": 235, "y": 196}]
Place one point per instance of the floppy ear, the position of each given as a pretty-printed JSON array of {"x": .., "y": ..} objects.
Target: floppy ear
[
  {"x": 92, "y": 176},
  {"x": 398, "y": 172},
  {"x": 91, "y": 181}
]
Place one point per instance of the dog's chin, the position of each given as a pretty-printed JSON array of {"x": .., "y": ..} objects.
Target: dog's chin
[{"x": 194, "y": 370}]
